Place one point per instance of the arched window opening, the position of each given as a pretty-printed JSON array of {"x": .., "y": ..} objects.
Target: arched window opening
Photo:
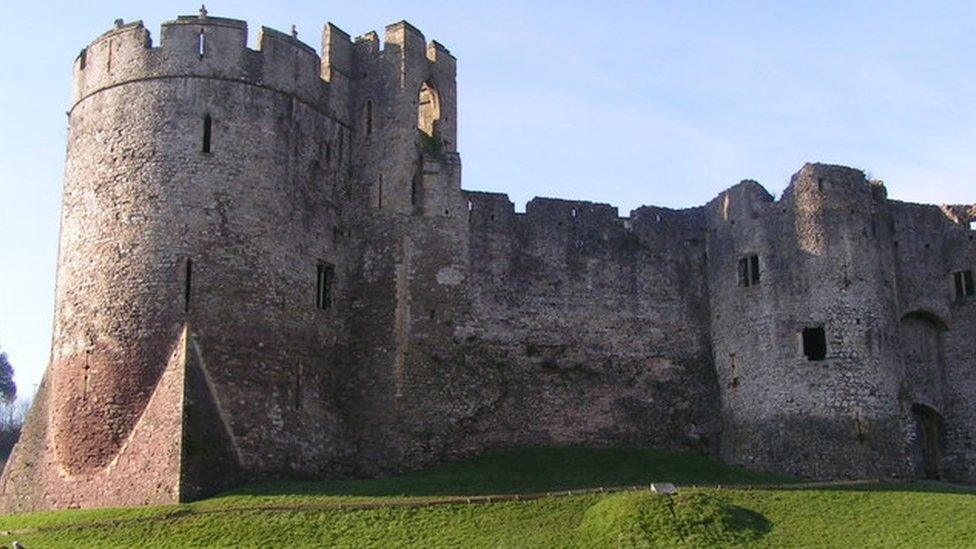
[
  {"x": 428, "y": 109},
  {"x": 369, "y": 117}
]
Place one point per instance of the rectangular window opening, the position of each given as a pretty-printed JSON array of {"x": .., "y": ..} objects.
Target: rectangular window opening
[
  {"x": 814, "y": 343},
  {"x": 748, "y": 271},
  {"x": 964, "y": 284},
  {"x": 325, "y": 278},
  {"x": 207, "y": 129},
  {"x": 201, "y": 43}
]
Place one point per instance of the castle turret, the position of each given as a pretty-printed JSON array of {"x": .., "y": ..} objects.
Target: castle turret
[
  {"x": 405, "y": 121},
  {"x": 198, "y": 247},
  {"x": 803, "y": 305}
]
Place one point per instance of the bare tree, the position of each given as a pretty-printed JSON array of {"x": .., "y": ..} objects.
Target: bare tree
[
  {"x": 12, "y": 417},
  {"x": 8, "y": 389},
  {"x": 13, "y": 412}
]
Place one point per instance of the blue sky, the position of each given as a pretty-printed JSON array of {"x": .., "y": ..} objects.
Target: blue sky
[{"x": 629, "y": 103}]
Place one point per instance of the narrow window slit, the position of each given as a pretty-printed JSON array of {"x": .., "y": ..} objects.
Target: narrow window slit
[
  {"x": 84, "y": 395},
  {"x": 187, "y": 278},
  {"x": 369, "y": 117},
  {"x": 298, "y": 386},
  {"x": 325, "y": 277},
  {"x": 207, "y": 130},
  {"x": 201, "y": 43}
]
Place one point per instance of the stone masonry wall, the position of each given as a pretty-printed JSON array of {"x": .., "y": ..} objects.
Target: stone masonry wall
[
  {"x": 197, "y": 342},
  {"x": 940, "y": 371}
]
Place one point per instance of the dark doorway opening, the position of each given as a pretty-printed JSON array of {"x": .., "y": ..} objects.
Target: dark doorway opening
[{"x": 928, "y": 442}]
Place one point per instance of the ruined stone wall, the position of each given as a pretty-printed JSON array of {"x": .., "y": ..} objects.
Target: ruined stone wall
[
  {"x": 937, "y": 328},
  {"x": 826, "y": 260},
  {"x": 598, "y": 320},
  {"x": 563, "y": 325}
]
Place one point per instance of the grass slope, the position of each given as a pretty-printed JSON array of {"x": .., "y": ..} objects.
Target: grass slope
[{"x": 868, "y": 516}]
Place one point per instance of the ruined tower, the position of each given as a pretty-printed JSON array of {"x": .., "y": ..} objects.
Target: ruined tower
[
  {"x": 268, "y": 269},
  {"x": 802, "y": 292}
]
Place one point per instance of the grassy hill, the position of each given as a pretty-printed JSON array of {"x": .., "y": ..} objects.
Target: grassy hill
[{"x": 429, "y": 509}]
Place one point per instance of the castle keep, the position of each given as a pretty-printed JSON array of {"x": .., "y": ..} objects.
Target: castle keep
[{"x": 268, "y": 269}]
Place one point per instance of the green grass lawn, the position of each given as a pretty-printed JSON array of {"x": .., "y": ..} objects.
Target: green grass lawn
[{"x": 305, "y": 514}]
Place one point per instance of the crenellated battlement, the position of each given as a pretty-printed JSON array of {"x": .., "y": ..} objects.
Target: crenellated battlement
[
  {"x": 201, "y": 47},
  {"x": 215, "y": 47},
  {"x": 402, "y": 42}
]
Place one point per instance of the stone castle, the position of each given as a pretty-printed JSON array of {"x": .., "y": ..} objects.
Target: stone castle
[{"x": 268, "y": 269}]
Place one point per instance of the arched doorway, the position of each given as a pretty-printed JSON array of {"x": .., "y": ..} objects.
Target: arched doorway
[{"x": 927, "y": 451}]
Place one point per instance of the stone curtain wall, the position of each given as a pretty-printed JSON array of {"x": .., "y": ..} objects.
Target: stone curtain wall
[
  {"x": 209, "y": 186},
  {"x": 598, "y": 320}
]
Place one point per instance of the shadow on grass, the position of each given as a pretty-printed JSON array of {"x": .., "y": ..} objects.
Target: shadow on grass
[{"x": 529, "y": 470}]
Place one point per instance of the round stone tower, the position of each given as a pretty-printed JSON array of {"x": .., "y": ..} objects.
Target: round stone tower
[
  {"x": 200, "y": 192},
  {"x": 199, "y": 272},
  {"x": 803, "y": 304}
]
